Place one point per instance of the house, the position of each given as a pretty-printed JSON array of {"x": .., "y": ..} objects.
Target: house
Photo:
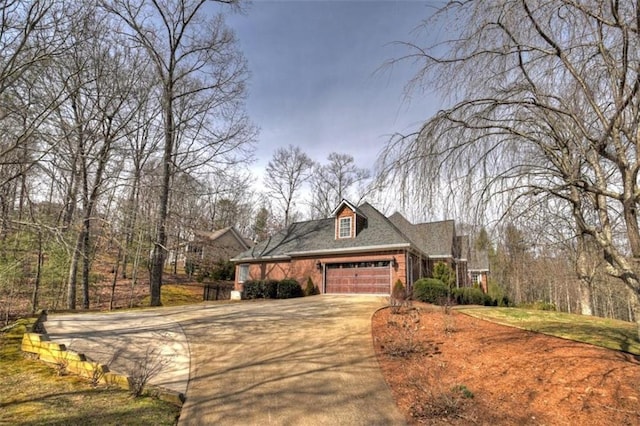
[
  {"x": 205, "y": 249},
  {"x": 478, "y": 268},
  {"x": 357, "y": 250}
]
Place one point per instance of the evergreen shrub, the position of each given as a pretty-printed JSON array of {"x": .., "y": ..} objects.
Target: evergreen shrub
[
  {"x": 430, "y": 290},
  {"x": 288, "y": 288}
]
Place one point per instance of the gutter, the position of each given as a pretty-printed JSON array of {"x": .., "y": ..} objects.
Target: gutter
[
  {"x": 248, "y": 259},
  {"x": 324, "y": 252},
  {"x": 352, "y": 249}
]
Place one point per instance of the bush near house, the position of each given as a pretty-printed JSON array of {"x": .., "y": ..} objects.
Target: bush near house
[
  {"x": 311, "y": 289},
  {"x": 472, "y": 296},
  {"x": 430, "y": 290},
  {"x": 288, "y": 288},
  {"x": 272, "y": 289}
]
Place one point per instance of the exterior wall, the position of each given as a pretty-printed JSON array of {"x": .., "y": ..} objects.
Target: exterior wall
[
  {"x": 484, "y": 282},
  {"x": 209, "y": 252},
  {"x": 484, "y": 279},
  {"x": 302, "y": 268},
  {"x": 263, "y": 270}
]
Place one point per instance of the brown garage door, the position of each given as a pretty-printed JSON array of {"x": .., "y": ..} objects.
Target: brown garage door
[{"x": 363, "y": 278}]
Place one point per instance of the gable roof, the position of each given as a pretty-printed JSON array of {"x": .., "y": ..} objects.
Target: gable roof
[
  {"x": 462, "y": 247},
  {"x": 355, "y": 209},
  {"x": 479, "y": 260},
  {"x": 435, "y": 239},
  {"x": 318, "y": 236},
  {"x": 213, "y": 236}
]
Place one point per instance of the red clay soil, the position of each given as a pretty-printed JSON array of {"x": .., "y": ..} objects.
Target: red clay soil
[{"x": 453, "y": 369}]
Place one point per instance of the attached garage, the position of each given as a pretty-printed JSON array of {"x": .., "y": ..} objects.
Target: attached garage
[{"x": 358, "y": 278}]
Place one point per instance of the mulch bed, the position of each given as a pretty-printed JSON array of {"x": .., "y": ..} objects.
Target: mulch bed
[{"x": 453, "y": 369}]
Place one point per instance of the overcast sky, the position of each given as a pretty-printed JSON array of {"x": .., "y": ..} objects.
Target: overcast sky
[{"x": 314, "y": 82}]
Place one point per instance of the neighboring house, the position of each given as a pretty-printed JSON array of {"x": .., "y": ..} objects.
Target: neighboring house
[
  {"x": 357, "y": 250},
  {"x": 479, "y": 268},
  {"x": 208, "y": 248}
]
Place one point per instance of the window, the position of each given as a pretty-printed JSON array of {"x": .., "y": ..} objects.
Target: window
[
  {"x": 345, "y": 228},
  {"x": 243, "y": 273}
]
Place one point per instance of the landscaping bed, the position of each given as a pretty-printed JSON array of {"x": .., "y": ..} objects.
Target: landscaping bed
[{"x": 450, "y": 368}]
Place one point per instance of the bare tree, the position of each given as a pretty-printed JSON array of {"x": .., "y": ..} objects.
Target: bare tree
[
  {"x": 98, "y": 75},
  {"x": 335, "y": 181},
  {"x": 287, "y": 171},
  {"x": 546, "y": 110},
  {"x": 32, "y": 33},
  {"x": 202, "y": 77}
]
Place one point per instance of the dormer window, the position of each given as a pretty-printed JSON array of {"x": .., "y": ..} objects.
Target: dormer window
[{"x": 345, "y": 227}]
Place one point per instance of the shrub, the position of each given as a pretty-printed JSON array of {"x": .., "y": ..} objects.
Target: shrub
[
  {"x": 310, "y": 289},
  {"x": 539, "y": 306},
  {"x": 468, "y": 296},
  {"x": 222, "y": 270},
  {"x": 253, "y": 289},
  {"x": 288, "y": 288},
  {"x": 504, "y": 302},
  {"x": 398, "y": 297},
  {"x": 443, "y": 272},
  {"x": 270, "y": 289},
  {"x": 404, "y": 342},
  {"x": 430, "y": 290}
]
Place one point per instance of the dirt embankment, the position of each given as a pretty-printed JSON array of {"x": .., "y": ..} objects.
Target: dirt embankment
[{"x": 455, "y": 369}]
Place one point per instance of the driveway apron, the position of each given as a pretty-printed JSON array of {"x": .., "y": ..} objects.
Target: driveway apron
[{"x": 306, "y": 361}]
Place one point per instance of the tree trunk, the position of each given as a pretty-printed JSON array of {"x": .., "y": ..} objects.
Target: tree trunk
[
  {"x": 131, "y": 219},
  {"x": 36, "y": 283},
  {"x": 134, "y": 271},
  {"x": 86, "y": 261},
  {"x": 159, "y": 249},
  {"x": 631, "y": 224},
  {"x": 586, "y": 306},
  {"x": 115, "y": 278},
  {"x": 73, "y": 273}
]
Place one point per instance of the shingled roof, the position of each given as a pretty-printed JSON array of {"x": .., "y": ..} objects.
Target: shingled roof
[
  {"x": 433, "y": 239},
  {"x": 479, "y": 260},
  {"x": 318, "y": 236}
]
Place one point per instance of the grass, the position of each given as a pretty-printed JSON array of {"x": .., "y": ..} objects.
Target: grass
[
  {"x": 176, "y": 295},
  {"x": 605, "y": 332},
  {"x": 32, "y": 393}
]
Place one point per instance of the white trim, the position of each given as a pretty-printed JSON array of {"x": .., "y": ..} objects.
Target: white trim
[
  {"x": 345, "y": 218},
  {"x": 342, "y": 203},
  {"x": 242, "y": 266}
]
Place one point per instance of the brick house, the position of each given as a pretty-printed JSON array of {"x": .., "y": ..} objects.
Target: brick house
[
  {"x": 478, "y": 267},
  {"x": 357, "y": 250}
]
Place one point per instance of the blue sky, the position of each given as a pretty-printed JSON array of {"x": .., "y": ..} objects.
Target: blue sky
[{"x": 313, "y": 74}]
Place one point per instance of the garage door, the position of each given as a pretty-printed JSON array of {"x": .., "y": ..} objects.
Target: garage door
[{"x": 358, "y": 278}]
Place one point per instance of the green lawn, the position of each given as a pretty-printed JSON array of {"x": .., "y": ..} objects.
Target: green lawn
[
  {"x": 32, "y": 393},
  {"x": 608, "y": 333},
  {"x": 176, "y": 295}
]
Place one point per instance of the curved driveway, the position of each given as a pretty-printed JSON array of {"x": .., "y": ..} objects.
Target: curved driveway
[{"x": 285, "y": 362}]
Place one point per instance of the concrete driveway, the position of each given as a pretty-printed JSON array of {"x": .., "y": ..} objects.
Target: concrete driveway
[{"x": 283, "y": 362}]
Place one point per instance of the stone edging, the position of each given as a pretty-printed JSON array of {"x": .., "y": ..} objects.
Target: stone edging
[{"x": 39, "y": 343}]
